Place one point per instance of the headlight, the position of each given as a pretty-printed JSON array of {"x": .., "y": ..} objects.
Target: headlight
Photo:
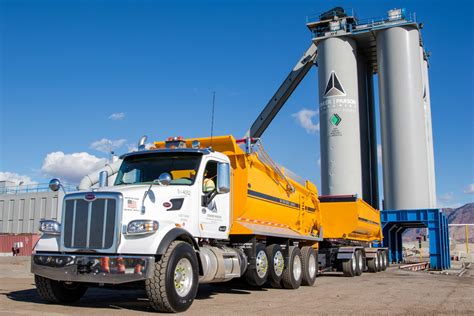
[
  {"x": 50, "y": 227},
  {"x": 140, "y": 227}
]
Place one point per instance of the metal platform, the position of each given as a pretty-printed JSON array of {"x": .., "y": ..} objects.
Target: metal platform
[{"x": 395, "y": 222}]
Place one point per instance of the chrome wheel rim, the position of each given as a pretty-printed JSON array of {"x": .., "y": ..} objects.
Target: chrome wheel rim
[
  {"x": 354, "y": 263},
  {"x": 278, "y": 263},
  {"x": 262, "y": 264},
  {"x": 361, "y": 262},
  {"x": 312, "y": 266},
  {"x": 297, "y": 267},
  {"x": 183, "y": 277},
  {"x": 385, "y": 259}
]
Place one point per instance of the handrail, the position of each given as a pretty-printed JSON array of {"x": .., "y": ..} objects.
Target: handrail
[{"x": 32, "y": 188}]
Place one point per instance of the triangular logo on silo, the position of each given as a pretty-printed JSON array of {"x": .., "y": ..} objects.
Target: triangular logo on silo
[{"x": 334, "y": 87}]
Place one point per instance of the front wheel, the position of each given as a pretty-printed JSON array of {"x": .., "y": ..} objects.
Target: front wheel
[
  {"x": 174, "y": 283},
  {"x": 59, "y": 292}
]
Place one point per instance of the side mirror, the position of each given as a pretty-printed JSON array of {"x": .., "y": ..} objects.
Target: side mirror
[
  {"x": 103, "y": 179},
  {"x": 55, "y": 184},
  {"x": 164, "y": 178},
  {"x": 223, "y": 178}
]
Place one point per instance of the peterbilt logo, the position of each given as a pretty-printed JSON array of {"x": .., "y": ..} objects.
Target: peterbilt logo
[{"x": 89, "y": 196}]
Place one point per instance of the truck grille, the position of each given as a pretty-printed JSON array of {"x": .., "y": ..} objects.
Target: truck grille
[{"x": 90, "y": 224}]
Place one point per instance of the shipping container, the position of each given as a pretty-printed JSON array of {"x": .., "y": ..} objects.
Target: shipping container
[{"x": 26, "y": 243}]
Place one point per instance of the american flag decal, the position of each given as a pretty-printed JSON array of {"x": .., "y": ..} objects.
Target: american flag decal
[{"x": 131, "y": 204}]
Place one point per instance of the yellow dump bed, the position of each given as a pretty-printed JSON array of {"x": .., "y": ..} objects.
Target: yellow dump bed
[
  {"x": 349, "y": 218},
  {"x": 268, "y": 201}
]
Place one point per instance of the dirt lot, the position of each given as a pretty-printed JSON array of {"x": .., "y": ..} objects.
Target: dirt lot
[{"x": 391, "y": 292}]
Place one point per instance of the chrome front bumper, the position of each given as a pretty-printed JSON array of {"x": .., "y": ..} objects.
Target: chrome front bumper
[{"x": 92, "y": 268}]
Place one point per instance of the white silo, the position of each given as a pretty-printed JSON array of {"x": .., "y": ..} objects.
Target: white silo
[
  {"x": 402, "y": 119},
  {"x": 428, "y": 128},
  {"x": 339, "y": 117}
]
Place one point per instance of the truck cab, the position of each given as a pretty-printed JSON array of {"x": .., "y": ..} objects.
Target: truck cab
[{"x": 115, "y": 234}]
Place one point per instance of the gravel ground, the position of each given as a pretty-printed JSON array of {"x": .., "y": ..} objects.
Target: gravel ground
[{"x": 391, "y": 292}]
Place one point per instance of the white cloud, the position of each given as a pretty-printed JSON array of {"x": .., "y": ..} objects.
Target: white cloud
[
  {"x": 446, "y": 197},
  {"x": 16, "y": 178},
  {"x": 469, "y": 189},
  {"x": 379, "y": 153},
  {"x": 117, "y": 116},
  {"x": 304, "y": 118},
  {"x": 71, "y": 168},
  {"x": 319, "y": 162},
  {"x": 106, "y": 145}
]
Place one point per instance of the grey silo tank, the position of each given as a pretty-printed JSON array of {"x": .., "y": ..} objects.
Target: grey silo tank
[
  {"x": 339, "y": 117},
  {"x": 402, "y": 119},
  {"x": 364, "y": 128},
  {"x": 428, "y": 128}
]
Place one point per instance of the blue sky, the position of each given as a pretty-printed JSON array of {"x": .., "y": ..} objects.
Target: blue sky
[{"x": 68, "y": 66}]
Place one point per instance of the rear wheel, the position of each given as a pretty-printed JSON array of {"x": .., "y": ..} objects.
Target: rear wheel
[
  {"x": 58, "y": 291},
  {"x": 174, "y": 283},
  {"x": 257, "y": 275},
  {"x": 293, "y": 273},
  {"x": 379, "y": 259},
  {"x": 383, "y": 259},
  {"x": 276, "y": 264},
  {"x": 360, "y": 262},
  {"x": 310, "y": 265},
  {"x": 349, "y": 266},
  {"x": 372, "y": 264}
]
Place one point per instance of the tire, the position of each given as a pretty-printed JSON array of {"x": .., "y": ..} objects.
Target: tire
[
  {"x": 383, "y": 259},
  {"x": 379, "y": 259},
  {"x": 310, "y": 266},
  {"x": 293, "y": 273},
  {"x": 349, "y": 266},
  {"x": 359, "y": 263},
  {"x": 59, "y": 292},
  {"x": 258, "y": 275},
  {"x": 174, "y": 283},
  {"x": 372, "y": 265},
  {"x": 276, "y": 264}
]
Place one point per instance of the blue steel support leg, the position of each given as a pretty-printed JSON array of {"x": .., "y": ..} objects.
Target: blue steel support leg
[
  {"x": 390, "y": 237},
  {"x": 435, "y": 242},
  {"x": 399, "y": 243},
  {"x": 447, "y": 255},
  {"x": 444, "y": 263}
]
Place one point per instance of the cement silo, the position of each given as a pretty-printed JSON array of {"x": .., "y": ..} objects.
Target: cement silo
[
  {"x": 402, "y": 119},
  {"x": 368, "y": 143},
  {"x": 428, "y": 128},
  {"x": 339, "y": 117}
]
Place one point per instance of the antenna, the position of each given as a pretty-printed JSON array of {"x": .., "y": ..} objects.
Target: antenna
[{"x": 212, "y": 115}]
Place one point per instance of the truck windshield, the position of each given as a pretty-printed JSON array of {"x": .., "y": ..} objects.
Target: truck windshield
[{"x": 143, "y": 169}]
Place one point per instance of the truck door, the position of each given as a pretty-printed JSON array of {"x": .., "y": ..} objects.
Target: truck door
[{"x": 214, "y": 215}]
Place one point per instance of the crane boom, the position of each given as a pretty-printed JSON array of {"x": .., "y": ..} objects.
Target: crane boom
[{"x": 273, "y": 106}]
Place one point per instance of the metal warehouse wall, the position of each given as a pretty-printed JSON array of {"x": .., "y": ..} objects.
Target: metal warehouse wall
[{"x": 20, "y": 213}]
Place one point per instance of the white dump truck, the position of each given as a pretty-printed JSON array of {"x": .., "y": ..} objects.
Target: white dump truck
[{"x": 185, "y": 213}]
